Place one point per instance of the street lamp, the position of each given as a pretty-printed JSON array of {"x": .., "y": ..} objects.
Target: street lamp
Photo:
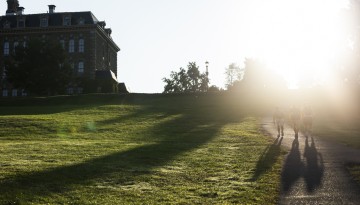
[
  {"x": 207, "y": 68},
  {"x": 207, "y": 75}
]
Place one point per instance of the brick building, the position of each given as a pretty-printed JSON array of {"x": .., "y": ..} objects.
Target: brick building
[{"x": 91, "y": 51}]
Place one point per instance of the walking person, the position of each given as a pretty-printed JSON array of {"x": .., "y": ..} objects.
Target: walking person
[
  {"x": 307, "y": 120},
  {"x": 279, "y": 121},
  {"x": 295, "y": 117}
]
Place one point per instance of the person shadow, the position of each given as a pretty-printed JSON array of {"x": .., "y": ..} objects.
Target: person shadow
[
  {"x": 268, "y": 158},
  {"x": 314, "y": 169},
  {"x": 292, "y": 169}
]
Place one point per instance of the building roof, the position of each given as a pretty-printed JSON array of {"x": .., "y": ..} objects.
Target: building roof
[
  {"x": 54, "y": 19},
  {"x": 105, "y": 75}
]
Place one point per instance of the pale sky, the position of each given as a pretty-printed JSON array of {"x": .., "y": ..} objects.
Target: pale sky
[{"x": 160, "y": 36}]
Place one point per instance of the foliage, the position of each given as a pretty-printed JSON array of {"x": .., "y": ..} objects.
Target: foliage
[
  {"x": 214, "y": 88},
  {"x": 233, "y": 74},
  {"x": 258, "y": 79},
  {"x": 346, "y": 71},
  {"x": 134, "y": 149},
  {"x": 186, "y": 81},
  {"x": 40, "y": 68},
  {"x": 352, "y": 72}
]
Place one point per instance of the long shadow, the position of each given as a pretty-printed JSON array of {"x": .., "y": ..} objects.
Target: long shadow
[
  {"x": 314, "y": 169},
  {"x": 59, "y": 104},
  {"x": 292, "y": 167},
  {"x": 268, "y": 158},
  {"x": 128, "y": 164}
]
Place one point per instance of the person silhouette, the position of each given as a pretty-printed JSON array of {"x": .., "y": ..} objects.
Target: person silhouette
[
  {"x": 279, "y": 121},
  {"x": 307, "y": 120},
  {"x": 295, "y": 117}
]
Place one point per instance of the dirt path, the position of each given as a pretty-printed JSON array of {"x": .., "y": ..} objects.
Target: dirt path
[{"x": 313, "y": 171}]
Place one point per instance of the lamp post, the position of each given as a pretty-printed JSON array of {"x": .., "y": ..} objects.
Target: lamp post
[
  {"x": 207, "y": 75},
  {"x": 207, "y": 67}
]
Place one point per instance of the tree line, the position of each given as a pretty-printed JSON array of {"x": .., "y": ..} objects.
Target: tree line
[
  {"x": 255, "y": 76},
  {"x": 40, "y": 67}
]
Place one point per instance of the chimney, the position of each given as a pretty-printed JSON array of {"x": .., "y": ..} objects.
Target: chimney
[
  {"x": 102, "y": 24},
  {"x": 12, "y": 7},
  {"x": 52, "y": 9},
  {"x": 108, "y": 31},
  {"x": 20, "y": 10}
]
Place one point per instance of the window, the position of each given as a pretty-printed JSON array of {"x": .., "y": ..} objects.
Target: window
[
  {"x": 23, "y": 93},
  {"x": 16, "y": 44},
  {"x": 4, "y": 73},
  {"x": 80, "y": 90},
  {"x": 62, "y": 43},
  {"x": 21, "y": 23},
  {"x": 6, "y": 48},
  {"x": 81, "y": 45},
  {"x": 44, "y": 22},
  {"x": 81, "y": 21},
  {"x": 67, "y": 21},
  {"x": 71, "y": 46},
  {"x": 81, "y": 67},
  {"x": 70, "y": 91},
  {"x": 5, "y": 93},
  {"x": 7, "y": 24},
  {"x": 14, "y": 92}
]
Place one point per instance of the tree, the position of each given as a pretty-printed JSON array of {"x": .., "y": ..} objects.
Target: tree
[
  {"x": 214, "y": 88},
  {"x": 257, "y": 78},
  {"x": 233, "y": 74},
  {"x": 185, "y": 81},
  {"x": 350, "y": 69},
  {"x": 40, "y": 68}
]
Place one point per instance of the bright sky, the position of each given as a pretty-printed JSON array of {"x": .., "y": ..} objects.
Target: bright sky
[{"x": 295, "y": 37}]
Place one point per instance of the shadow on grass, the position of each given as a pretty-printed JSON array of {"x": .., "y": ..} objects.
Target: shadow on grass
[
  {"x": 168, "y": 140},
  {"x": 268, "y": 158},
  {"x": 59, "y": 104}
]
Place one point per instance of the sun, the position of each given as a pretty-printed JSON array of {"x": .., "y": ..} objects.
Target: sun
[{"x": 298, "y": 39}]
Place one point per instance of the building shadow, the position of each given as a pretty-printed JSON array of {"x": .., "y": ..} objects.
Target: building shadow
[
  {"x": 314, "y": 169},
  {"x": 268, "y": 158},
  {"x": 292, "y": 167},
  {"x": 165, "y": 144}
]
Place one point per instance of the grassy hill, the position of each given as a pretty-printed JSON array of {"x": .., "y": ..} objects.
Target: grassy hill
[{"x": 135, "y": 149}]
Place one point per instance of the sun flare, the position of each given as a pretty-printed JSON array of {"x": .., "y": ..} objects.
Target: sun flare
[{"x": 298, "y": 39}]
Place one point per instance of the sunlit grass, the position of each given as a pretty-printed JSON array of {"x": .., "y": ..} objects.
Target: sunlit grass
[
  {"x": 354, "y": 170},
  {"x": 136, "y": 150}
]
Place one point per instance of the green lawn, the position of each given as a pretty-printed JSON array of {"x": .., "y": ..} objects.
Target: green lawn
[{"x": 135, "y": 149}]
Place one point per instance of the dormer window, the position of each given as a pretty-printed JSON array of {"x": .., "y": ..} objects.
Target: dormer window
[
  {"x": 44, "y": 21},
  {"x": 21, "y": 22},
  {"x": 81, "y": 21},
  {"x": 67, "y": 21}
]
